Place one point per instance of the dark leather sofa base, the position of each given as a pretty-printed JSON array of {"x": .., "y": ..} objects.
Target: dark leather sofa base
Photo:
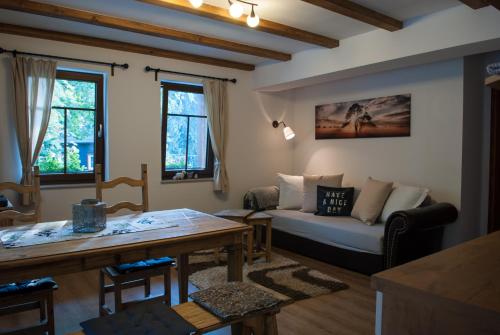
[{"x": 356, "y": 261}]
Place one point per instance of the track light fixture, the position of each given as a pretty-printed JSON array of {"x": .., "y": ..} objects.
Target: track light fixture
[
  {"x": 236, "y": 10},
  {"x": 196, "y": 3}
]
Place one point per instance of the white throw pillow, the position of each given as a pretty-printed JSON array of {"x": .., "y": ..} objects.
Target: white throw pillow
[
  {"x": 311, "y": 183},
  {"x": 291, "y": 191},
  {"x": 403, "y": 197}
]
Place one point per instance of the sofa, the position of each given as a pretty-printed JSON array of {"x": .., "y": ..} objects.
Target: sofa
[{"x": 348, "y": 242}]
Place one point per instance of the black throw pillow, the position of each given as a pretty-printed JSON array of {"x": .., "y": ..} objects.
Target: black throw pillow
[{"x": 335, "y": 201}]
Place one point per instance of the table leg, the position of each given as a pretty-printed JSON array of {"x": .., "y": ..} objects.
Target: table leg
[
  {"x": 258, "y": 237},
  {"x": 250, "y": 246},
  {"x": 269, "y": 231},
  {"x": 235, "y": 262},
  {"x": 183, "y": 276}
]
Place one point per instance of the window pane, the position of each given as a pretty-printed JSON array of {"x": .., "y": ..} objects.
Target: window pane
[
  {"x": 197, "y": 149},
  {"x": 186, "y": 103},
  {"x": 73, "y": 93},
  {"x": 175, "y": 158},
  {"x": 51, "y": 159},
  {"x": 80, "y": 141}
]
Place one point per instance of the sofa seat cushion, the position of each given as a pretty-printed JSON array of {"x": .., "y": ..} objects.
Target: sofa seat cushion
[{"x": 340, "y": 231}]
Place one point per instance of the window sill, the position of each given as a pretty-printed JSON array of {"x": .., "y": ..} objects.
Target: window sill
[
  {"x": 63, "y": 186},
  {"x": 180, "y": 181}
]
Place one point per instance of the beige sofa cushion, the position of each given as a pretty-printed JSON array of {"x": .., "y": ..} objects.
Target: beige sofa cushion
[
  {"x": 311, "y": 183},
  {"x": 371, "y": 200}
]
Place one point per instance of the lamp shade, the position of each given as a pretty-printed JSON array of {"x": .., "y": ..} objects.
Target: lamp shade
[
  {"x": 236, "y": 10},
  {"x": 196, "y": 3},
  {"x": 289, "y": 133}
]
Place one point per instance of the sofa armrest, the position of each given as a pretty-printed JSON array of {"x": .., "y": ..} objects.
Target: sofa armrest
[{"x": 416, "y": 233}]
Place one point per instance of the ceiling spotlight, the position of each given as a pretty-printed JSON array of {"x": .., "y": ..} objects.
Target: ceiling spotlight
[
  {"x": 235, "y": 9},
  {"x": 253, "y": 19},
  {"x": 196, "y": 3}
]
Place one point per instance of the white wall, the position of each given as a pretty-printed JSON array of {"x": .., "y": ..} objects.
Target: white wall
[
  {"x": 430, "y": 157},
  {"x": 447, "y": 34},
  {"x": 256, "y": 151}
]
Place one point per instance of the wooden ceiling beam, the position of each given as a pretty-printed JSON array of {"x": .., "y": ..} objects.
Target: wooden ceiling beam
[
  {"x": 121, "y": 46},
  {"x": 360, "y": 13},
  {"x": 476, "y": 4},
  {"x": 71, "y": 14},
  {"x": 221, "y": 14}
]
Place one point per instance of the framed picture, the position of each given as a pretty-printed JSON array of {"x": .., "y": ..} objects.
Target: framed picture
[{"x": 377, "y": 117}]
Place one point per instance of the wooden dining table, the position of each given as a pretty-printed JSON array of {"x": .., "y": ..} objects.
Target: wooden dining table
[{"x": 191, "y": 233}]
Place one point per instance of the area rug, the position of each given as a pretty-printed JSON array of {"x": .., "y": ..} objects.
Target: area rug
[{"x": 285, "y": 276}]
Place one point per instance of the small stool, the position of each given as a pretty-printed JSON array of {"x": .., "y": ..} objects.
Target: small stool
[
  {"x": 238, "y": 302},
  {"x": 258, "y": 221},
  {"x": 130, "y": 275},
  {"x": 30, "y": 295}
]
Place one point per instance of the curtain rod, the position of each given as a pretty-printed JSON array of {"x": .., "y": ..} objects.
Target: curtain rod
[
  {"x": 156, "y": 71},
  {"x": 112, "y": 65}
]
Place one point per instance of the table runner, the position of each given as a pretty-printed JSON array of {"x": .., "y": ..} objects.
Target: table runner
[{"x": 59, "y": 231}]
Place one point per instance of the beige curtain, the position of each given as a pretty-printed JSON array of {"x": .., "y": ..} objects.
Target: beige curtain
[
  {"x": 215, "y": 92},
  {"x": 33, "y": 86}
]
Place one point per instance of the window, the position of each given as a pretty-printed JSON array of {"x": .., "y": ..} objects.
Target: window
[
  {"x": 185, "y": 139},
  {"x": 74, "y": 140}
]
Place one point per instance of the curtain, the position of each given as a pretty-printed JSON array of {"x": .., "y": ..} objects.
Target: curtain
[
  {"x": 215, "y": 93},
  {"x": 33, "y": 86}
]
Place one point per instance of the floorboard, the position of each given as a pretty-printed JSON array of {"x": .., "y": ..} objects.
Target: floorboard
[{"x": 351, "y": 311}]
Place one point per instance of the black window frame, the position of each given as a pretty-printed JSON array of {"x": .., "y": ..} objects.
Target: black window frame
[
  {"x": 99, "y": 133},
  {"x": 208, "y": 172}
]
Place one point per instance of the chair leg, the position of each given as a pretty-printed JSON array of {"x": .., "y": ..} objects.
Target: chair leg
[
  {"x": 43, "y": 310},
  {"x": 102, "y": 293},
  {"x": 50, "y": 314},
  {"x": 167, "y": 287},
  {"x": 147, "y": 287},
  {"x": 118, "y": 296}
]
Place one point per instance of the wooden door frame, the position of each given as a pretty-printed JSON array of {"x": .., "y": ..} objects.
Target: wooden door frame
[{"x": 494, "y": 192}]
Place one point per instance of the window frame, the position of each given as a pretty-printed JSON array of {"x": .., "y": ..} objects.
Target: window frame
[
  {"x": 99, "y": 141},
  {"x": 208, "y": 172}
]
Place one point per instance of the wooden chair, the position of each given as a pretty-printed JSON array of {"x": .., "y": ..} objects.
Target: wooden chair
[
  {"x": 34, "y": 294},
  {"x": 130, "y": 275},
  {"x": 9, "y": 216}
]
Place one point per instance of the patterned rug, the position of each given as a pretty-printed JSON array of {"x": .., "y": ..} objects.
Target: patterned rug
[{"x": 283, "y": 275}]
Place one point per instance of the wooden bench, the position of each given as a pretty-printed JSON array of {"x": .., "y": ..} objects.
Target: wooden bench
[{"x": 262, "y": 324}]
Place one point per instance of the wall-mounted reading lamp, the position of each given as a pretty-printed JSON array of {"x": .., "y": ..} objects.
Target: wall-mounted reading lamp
[{"x": 287, "y": 131}]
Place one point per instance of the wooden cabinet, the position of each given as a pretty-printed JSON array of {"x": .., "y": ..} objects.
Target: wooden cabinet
[{"x": 456, "y": 291}]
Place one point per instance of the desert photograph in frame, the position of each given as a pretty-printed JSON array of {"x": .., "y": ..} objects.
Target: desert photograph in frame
[{"x": 378, "y": 117}]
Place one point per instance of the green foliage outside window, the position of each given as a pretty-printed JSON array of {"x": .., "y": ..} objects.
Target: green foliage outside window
[{"x": 80, "y": 127}]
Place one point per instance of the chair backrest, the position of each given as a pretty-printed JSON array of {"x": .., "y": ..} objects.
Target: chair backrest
[
  {"x": 34, "y": 215},
  {"x": 143, "y": 183}
]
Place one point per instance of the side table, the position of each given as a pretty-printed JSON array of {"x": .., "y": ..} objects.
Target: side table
[{"x": 258, "y": 221}]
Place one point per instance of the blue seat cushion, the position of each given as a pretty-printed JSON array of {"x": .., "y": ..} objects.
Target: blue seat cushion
[
  {"x": 143, "y": 265},
  {"x": 27, "y": 286},
  {"x": 141, "y": 319}
]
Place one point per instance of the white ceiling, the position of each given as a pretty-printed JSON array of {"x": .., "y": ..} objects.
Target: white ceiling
[{"x": 295, "y": 13}]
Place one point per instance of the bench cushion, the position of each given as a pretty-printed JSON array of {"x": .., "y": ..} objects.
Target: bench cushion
[
  {"x": 27, "y": 286},
  {"x": 143, "y": 265},
  {"x": 142, "y": 319},
  {"x": 235, "y": 300},
  {"x": 340, "y": 231}
]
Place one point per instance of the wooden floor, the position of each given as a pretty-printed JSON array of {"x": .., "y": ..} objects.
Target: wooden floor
[{"x": 351, "y": 311}]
